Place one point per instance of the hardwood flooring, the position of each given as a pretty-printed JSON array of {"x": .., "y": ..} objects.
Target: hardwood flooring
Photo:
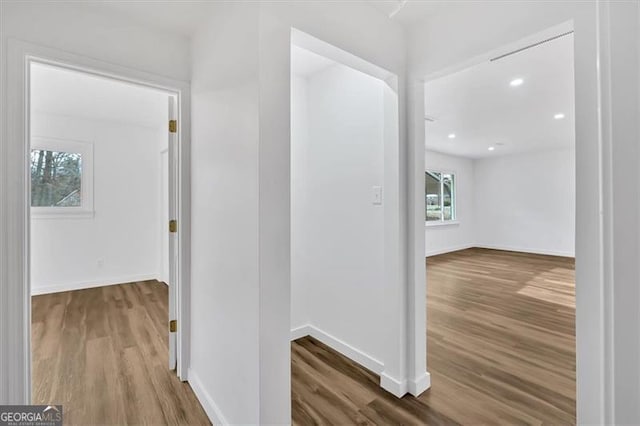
[
  {"x": 500, "y": 350},
  {"x": 103, "y": 354}
]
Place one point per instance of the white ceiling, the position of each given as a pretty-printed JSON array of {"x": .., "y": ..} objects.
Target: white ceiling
[
  {"x": 304, "y": 62},
  {"x": 177, "y": 16},
  {"x": 185, "y": 16},
  {"x": 482, "y": 109},
  {"x": 411, "y": 11},
  {"x": 64, "y": 92}
]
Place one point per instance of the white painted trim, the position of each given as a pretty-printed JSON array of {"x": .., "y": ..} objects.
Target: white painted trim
[
  {"x": 213, "y": 411},
  {"x": 429, "y": 224},
  {"x": 449, "y": 250},
  {"x": 393, "y": 386},
  {"x": 354, "y": 354},
  {"x": 15, "y": 303},
  {"x": 420, "y": 384},
  {"x": 57, "y": 288},
  {"x": 302, "y": 331},
  {"x": 525, "y": 250}
]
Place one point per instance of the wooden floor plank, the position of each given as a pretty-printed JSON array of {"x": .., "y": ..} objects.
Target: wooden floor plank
[
  {"x": 103, "y": 354},
  {"x": 500, "y": 348}
]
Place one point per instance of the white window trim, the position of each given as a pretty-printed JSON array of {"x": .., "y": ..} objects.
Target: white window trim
[
  {"x": 86, "y": 150},
  {"x": 454, "y": 220},
  {"x": 441, "y": 223}
]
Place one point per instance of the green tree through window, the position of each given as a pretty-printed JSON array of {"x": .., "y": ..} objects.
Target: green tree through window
[{"x": 56, "y": 179}]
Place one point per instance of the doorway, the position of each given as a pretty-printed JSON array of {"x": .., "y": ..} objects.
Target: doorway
[
  {"x": 344, "y": 194},
  {"x": 20, "y": 59},
  {"x": 500, "y": 191},
  {"x": 101, "y": 290}
]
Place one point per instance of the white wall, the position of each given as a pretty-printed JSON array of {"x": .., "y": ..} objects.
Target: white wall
[
  {"x": 337, "y": 233},
  {"x": 526, "y": 202},
  {"x": 240, "y": 362},
  {"x": 360, "y": 30},
  {"x": 119, "y": 243},
  {"x": 224, "y": 366},
  {"x": 300, "y": 197},
  {"x": 499, "y": 203},
  {"x": 461, "y": 234}
]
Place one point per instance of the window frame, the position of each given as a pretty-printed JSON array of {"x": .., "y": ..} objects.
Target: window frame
[
  {"x": 454, "y": 193},
  {"x": 85, "y": 149}
]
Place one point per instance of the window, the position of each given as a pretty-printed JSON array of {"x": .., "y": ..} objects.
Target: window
[
  {"x": 439, "y": 196},
  {"x": 61, "y": 178}
]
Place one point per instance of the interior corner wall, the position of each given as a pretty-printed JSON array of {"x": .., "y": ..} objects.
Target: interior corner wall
[
  {"x": 337, "y": 231},
  {"x": 300, "y": 157},
  {"x": 225, "y": 308},
  {"x": 118, "y": 244},
  {"x": 460, "y": 234},
  {"x": 526, "y": 202},
  {"x": 362, "y": 31}
]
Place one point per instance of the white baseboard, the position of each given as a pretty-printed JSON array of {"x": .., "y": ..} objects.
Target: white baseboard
[
  {"x": 302, "y": 331},
  {"x": 393, "y": 386},
  {"x": 56, "y": 288},
  {"x": 345, "y": 349},
  {"x": 448, "y": 250},
  {"x": 527, "y": 250},
  {"x": 419, "y": 385},
  {"x": 213, "y": 411}
]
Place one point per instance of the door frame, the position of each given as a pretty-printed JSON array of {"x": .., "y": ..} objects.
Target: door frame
[
  {"x": 594, "y": 345},
  {"x": 15, "y": 191}
]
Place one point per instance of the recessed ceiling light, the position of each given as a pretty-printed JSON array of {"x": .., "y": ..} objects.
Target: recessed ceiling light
[
  {"x": 452, "y": 136},
  {"x": 559, "y": 116},
  {"x": 516, "y": 82},
  {"x": 491, "y": 148}
]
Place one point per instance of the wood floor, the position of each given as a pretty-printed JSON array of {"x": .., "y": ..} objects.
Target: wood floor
[
  {"x": 103, "y": 354},
  {"x": 501, "y": 350}
]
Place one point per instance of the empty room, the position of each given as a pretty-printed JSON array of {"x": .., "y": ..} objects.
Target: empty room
[
  {"x": 499, "y": 232},
  {"x": 100, "y": 250}
]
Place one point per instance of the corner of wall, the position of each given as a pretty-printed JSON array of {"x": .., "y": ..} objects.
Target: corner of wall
[{"x": 213, "y": 411}]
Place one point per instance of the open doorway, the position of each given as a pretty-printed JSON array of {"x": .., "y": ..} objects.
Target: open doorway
[
  {"x": 344, "y": 193},
  {"x": 103, "y": 249},
  {"x": 500, "y": 235}
]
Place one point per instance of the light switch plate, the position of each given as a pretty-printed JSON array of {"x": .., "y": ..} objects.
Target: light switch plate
[{"x": 377, "y": 195}]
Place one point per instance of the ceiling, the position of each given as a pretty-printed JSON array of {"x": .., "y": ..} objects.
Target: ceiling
[
  {"x": 411, "y": 11},
  {"x": 185, "y": 16},
  {"x": 483, "y": 110},
  {"x": 64, "y": 92},
  {"x": 181, "y": 17},
  {"x": 304, "y": 62}
]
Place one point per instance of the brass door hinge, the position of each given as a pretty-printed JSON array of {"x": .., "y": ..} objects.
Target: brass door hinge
[
  {"x": 173, "y": 226},
  {"x": 173, "y": 326},
  {"x": 173, "y": 126}
]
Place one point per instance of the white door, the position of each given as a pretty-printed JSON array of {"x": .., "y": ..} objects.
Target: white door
[{"x": 173, "y": 230}]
